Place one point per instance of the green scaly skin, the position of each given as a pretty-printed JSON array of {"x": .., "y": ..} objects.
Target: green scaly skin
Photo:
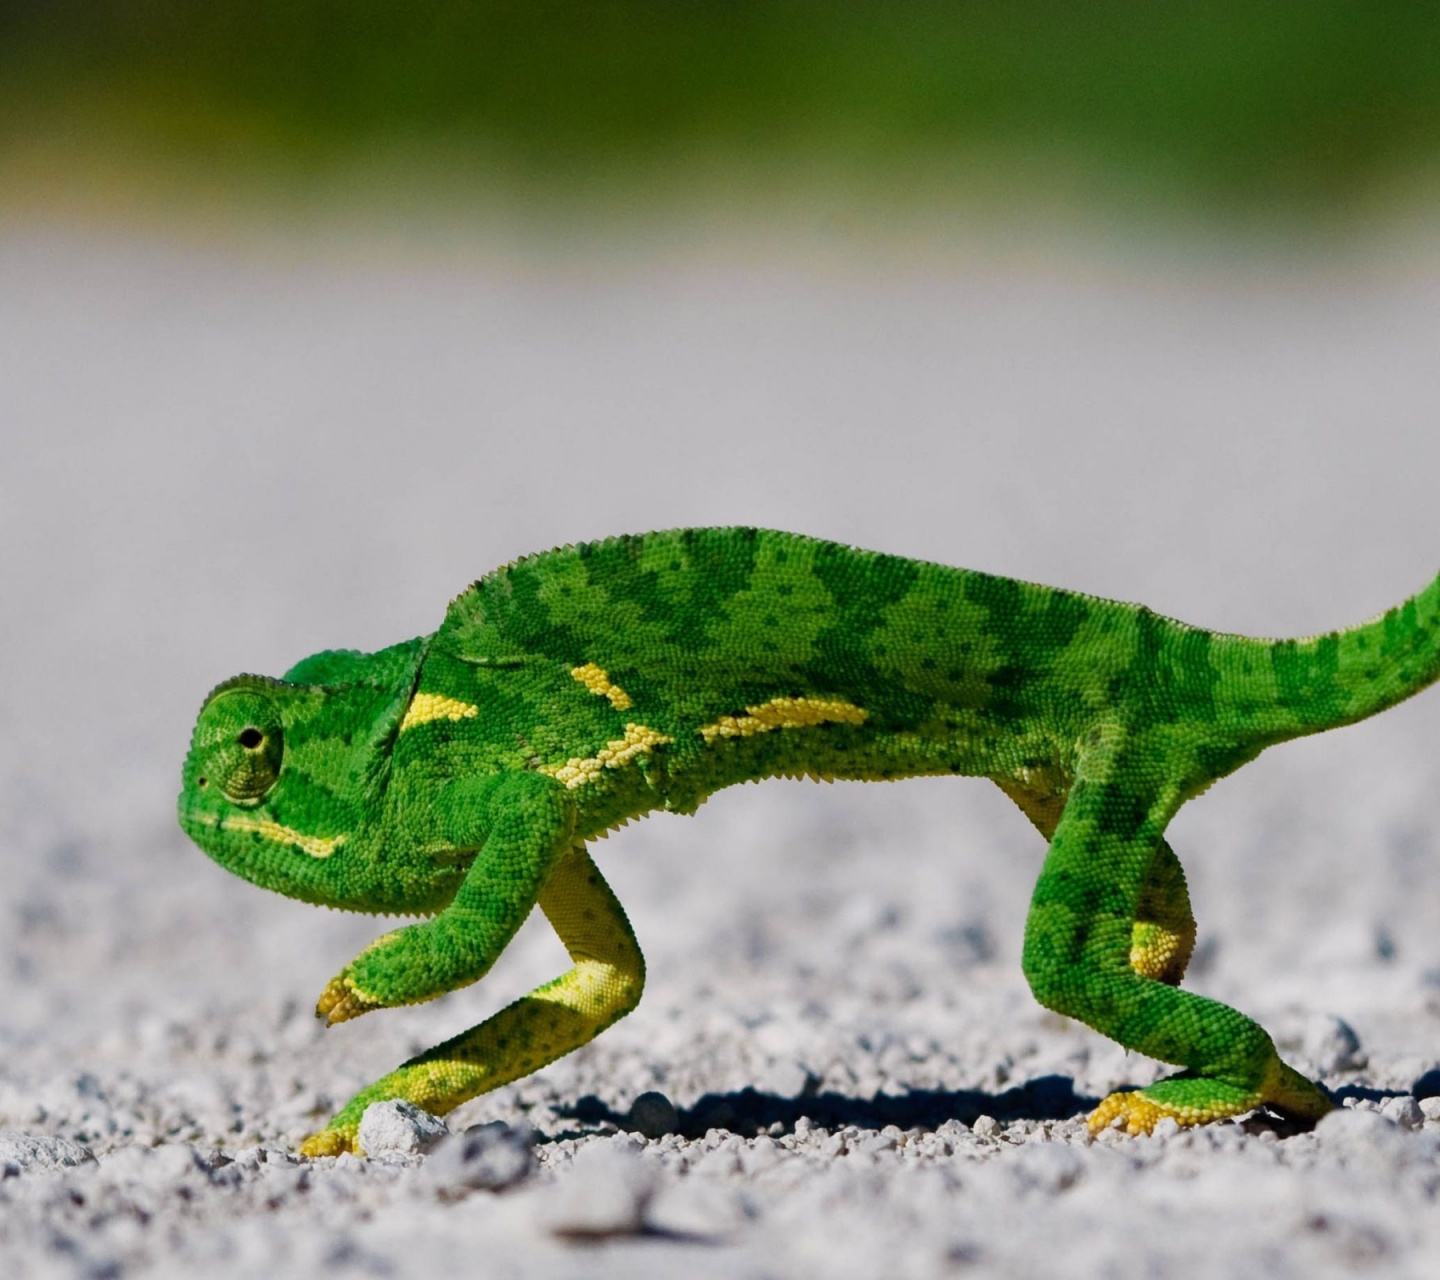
[{"x": 460, "y": 775}]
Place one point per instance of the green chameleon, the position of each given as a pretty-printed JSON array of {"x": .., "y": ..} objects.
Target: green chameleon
[{"x": 459, "y": 776}]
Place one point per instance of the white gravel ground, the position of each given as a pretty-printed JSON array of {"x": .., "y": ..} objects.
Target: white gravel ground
[{"x": 216, "y": 459}]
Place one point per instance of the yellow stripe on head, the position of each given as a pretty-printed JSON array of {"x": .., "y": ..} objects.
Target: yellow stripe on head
[{"x": 315, "y": 846}]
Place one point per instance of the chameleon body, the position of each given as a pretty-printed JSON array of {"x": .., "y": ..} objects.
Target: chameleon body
[{"x": 460, "y": 775}]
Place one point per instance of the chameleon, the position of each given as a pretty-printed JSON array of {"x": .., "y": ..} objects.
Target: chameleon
[{"x": 460, "y": 776}]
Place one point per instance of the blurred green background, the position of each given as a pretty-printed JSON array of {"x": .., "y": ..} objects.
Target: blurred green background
[{"x": 1325, "y": 111}]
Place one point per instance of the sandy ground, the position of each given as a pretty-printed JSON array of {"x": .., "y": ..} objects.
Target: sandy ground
[{"x": 220, "y": 459}]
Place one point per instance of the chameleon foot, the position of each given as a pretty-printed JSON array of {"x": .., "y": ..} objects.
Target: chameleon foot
[
  {"x": 1195, "y": 1099},
  {"x": 331, "y": 1142},
  {"x": 341, "y": 1001},
  {"x": 1141, "y": 1113}
]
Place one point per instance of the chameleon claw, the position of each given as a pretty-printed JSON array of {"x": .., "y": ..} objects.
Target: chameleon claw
[
  {"x": 341, "y": 1001},
  {"x": 330, "y": 1142},
  {"x": 1139, "y": 1113}
]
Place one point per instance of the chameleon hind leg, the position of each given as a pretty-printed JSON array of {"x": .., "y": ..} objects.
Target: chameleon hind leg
[
  {"x": 1162, "y": 938},
  {"x": 603, "y": 985},
  {"x": 1104, "y": 871}
]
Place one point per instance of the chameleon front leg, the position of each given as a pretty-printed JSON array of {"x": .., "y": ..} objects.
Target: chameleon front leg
[
  {"x": 521, "y": 824},
  {"x": 1105, "y": 869},
  {"x": 603, "y": 985}
]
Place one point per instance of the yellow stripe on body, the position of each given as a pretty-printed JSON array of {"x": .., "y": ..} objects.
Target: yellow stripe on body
[
  {"x": 425, "y": 707},
  {"x": 638, "y": 741},
  {"x": 315, "y": 846},
  {"x": 597, "y": 680},
  {"x": 784, "y": 713}
]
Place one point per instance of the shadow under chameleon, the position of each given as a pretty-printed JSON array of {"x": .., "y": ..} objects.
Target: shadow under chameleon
[{"x": 748, "y": 1112}]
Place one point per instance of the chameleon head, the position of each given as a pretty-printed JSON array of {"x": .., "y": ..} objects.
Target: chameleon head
[
  {"x": 286, "y": 780},
  {"x": 246, "y": 797}
]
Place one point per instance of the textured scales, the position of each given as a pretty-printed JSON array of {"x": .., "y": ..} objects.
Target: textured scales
[{"x": 461, "y": 775}]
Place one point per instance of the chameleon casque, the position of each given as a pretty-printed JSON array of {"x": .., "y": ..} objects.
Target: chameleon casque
[{"x": 460, "y": 775}]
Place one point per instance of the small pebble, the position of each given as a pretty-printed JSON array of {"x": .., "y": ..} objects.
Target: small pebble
[
  {"x": 484, "y": 1157},
  {"x": 1354, "y": 1132},
  {"x": 1332, "y": 1045},
  {"x": 399, "y": 1128},
  {"x": 654, "y": 1115},
  {"x": 1403, "y": 1111},
  {"x": 31, "y": 1153}
]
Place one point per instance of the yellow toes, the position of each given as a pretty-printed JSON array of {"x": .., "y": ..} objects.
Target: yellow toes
[
  {"x": 330, "y": 1142},
  {"x": 1140, "y": 1114},
  {"x": 341, "y": 1001}
]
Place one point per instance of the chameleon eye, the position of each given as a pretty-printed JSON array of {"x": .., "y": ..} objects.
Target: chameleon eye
[{"x": 241, "y": 744}]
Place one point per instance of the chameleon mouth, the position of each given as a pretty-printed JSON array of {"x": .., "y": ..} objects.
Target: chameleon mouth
[
  {"x": 315, "y": 846},
  {"x": 195, "y": 820},
  {"x": 202, "y": 824}
]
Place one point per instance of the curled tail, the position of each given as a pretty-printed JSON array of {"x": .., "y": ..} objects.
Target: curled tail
[{"x": 1288, "y": 688}]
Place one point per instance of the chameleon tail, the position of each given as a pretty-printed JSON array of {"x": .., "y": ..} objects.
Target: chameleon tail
[{"x": 1294, "y": 687}]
